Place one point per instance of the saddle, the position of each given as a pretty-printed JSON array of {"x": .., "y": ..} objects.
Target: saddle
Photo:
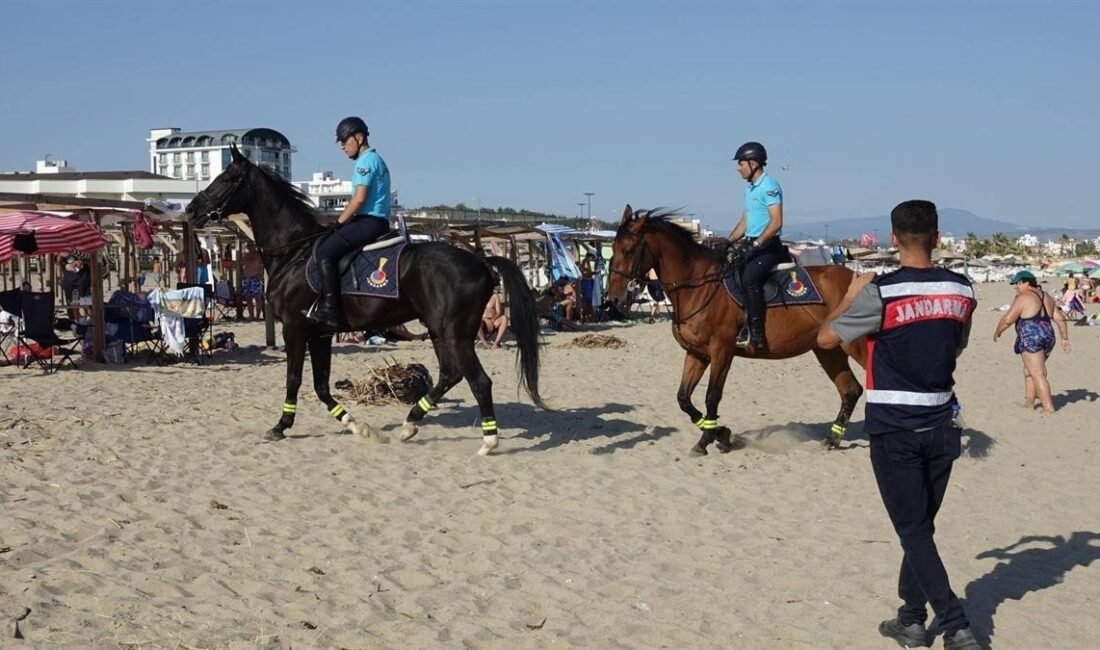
[
  {"x": 787, "y": 284},
  {"x": 367, "y": 271}
]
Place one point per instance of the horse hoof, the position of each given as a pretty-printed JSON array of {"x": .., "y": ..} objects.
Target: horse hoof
[
  {"x": 698, "y": 450},
  {"x": 408, "y": 430},
  {"x": 273, "y": 435},
  {"x": 831, "y": 442},
  {"x": 487, "y": 446}
]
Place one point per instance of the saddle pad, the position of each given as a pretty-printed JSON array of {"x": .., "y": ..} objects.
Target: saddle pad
[
  {"x": 792, "y": 287},
  {"x": 373, "y": 273}
]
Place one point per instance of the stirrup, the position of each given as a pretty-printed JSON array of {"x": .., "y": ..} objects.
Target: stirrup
[{"x": 743, "y": 337}]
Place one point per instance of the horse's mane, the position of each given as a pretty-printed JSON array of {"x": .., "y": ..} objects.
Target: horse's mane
[
  {"x": 290, "y": 195},
  {"x": 660, "y": 220}
]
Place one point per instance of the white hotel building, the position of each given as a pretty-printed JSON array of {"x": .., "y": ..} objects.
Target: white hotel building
[{"x": 202, "y": 155}]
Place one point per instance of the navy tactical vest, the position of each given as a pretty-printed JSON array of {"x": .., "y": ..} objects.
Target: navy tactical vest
[{"x": 911, "y": 359}]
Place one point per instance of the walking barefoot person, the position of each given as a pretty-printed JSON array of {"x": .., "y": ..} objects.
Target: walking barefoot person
[{"x": 1034, "y": 314}]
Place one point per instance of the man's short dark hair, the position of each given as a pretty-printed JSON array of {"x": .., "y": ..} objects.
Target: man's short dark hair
[
  {"x": 915, "y": 223},
  {"x": 1031, "y": 282}
]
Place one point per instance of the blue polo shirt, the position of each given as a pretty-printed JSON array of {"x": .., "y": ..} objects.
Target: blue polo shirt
[
  {"x": 759, "y": 196},
  {"x": 370, "y": 170}
]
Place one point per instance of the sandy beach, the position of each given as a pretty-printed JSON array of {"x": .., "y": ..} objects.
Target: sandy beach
[{"x": 140, "y": 509}]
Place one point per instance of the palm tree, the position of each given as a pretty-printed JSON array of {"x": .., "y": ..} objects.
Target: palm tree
[{"x": 1064, "y": 244}]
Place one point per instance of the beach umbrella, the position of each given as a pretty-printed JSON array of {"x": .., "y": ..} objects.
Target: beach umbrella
[
  {"x": 1070, "y": 267},
  {"x": 52, "y": 233}
]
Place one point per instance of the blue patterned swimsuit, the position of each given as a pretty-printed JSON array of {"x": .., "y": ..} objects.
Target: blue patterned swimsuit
[{"x": 1035, "y": 334}]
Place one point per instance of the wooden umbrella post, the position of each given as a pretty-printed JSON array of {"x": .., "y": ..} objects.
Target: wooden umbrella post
[{"x": 99, "y": 336}]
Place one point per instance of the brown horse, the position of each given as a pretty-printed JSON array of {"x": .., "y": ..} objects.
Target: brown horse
[{"x": 706, "y": 320}]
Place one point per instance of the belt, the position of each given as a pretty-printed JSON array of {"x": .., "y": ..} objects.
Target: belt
[{"x": 376, "y": 216}]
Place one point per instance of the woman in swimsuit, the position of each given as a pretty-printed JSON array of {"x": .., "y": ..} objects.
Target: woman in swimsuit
[{"x": 1034, "y": 314}]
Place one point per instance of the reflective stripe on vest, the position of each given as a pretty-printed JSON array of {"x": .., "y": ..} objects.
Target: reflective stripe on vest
[
  {"x": 925, "y": 289},
  {"x": 908, "y": 398}
]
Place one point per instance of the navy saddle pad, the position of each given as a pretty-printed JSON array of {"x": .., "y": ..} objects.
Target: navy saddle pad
[
  {"x": 371, "y": 273},
  {"x": 790, "y": 287}
]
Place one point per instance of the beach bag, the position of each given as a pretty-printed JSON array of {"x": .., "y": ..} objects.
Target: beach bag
[
  {"x": 25, "y": 242},
  {"x": 115, "y": 352}
]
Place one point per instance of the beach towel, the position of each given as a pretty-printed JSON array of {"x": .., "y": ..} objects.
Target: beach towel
[{"x": 172, "y": 307}]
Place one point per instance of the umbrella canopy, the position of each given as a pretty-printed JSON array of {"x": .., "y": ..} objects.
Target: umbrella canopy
[
  {"x": 1070, "y": 267},
  {"x": 54, "y": 234}
]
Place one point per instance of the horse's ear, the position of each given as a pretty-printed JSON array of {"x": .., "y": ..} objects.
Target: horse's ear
[
  {"x": 628, "y": 214},
  {"x": 237, "y": 157}
]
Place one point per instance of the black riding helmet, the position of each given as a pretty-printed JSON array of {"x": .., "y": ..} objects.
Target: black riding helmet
[
  {"x": 348, "y": 127},
  {"x": 752, "y": 151}
]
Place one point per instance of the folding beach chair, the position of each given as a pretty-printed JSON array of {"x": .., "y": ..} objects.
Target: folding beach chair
[
  {"x": 225, "y": 300},
  {"x": 38, "y": 328},
  {"x": 136, "y": 325}
]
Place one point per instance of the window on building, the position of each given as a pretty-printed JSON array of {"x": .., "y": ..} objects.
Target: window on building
[
  {"x": 205, "y": 156},
  {"x": 175, "y": 157},
  {"x": 206, "y": 170},
  {"x": 286, "y": 172},
  {"x": 248, "y": 153},
  {"x": 286, "y": 158},
  {"x": 176, "y": 171},
  {"x": 162, "y": 158},
  {"x": 229, "y": 138},
  {"x": 190, "y": 156},
  {"x": 190, "y": 171},
  {"x": 164, "y": 170}
]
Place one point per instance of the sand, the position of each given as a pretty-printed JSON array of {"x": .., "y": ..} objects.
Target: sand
[{"x": 138, "y": 508}]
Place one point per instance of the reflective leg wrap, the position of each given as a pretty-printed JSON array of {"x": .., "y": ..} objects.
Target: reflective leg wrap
[
  {"x": 338, "y": 412},
  {"x": 420, "y": 409},
  {"x": 489, "y": 427},
  {"x": 838, "y": 429},
  {"x": 706, "y": 424}
]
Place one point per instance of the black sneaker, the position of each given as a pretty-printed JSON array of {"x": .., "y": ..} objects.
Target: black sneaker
[
  {"x": 961, "y": 640},
  {"x": 907, "y": 636}
]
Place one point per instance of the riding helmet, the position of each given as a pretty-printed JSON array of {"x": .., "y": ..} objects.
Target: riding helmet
[
  {"x": 752, "y": 151},
  {"x": 348, "y": 127}
]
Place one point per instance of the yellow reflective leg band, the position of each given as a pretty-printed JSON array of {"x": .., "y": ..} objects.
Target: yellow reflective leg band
[
  {"x": 290, "y": 408},
  {"x": 489, "y": 425},
  {"x": 700, "y": 421},
  {"x": 838, "y": 429},
  {"x": 424, "y": 404},
  {"x": 337, "y": 411},
  {"x": 707, "y": 425}
]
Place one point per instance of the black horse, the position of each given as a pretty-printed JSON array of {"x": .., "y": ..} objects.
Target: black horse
[{"x": 443, "y": 286}]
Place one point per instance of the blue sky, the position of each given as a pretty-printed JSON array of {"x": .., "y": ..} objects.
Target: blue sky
[{"x": 987, "y": 106}]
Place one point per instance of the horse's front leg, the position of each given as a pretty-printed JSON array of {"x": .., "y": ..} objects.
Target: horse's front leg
[
  {"x": 694, "y": 367},
  {"x": 719, "y": 370},
  {"x": 294, "y": 340},
  {"x": 320, "y": 357}
]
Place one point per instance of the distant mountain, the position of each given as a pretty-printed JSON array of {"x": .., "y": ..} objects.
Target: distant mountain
[{"x": 952, "y": 220}]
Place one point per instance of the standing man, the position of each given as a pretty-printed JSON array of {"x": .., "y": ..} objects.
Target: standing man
[
  {"x": 917, "y": 320},
  {"x": 756, "y": 237},
  {"x": 252, "y": 268},
  {"x": 365, "y": 218}
]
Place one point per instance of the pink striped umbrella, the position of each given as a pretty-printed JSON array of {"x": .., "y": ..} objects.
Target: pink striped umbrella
[{"x": 54, "y": 234}]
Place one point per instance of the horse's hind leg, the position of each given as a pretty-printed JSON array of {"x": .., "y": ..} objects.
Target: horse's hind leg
[
  {"x": 482, "y": 387},
  {"x": 835, "y": 363},
  {"x": 295, "y": 341},
  {"x": 320, "y": 357},
  {"x": 449, "y": 375}
]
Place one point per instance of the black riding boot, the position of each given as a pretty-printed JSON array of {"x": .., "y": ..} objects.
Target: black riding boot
[
  {"x": 752, "y": 334},
  {"x": 328, "y": 312}
]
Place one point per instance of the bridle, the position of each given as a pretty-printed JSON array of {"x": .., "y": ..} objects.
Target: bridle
[
  {"x": 671, "y": 287},
  {"x": 218, "y": 214}
]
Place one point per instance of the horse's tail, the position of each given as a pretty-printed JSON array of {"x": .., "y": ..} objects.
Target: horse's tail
[{"x": 525, "y": 323}]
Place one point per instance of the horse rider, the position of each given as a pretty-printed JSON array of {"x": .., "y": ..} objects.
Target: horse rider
[
  {"x": 364, "y": 220},
  {"x": 755, "y": 239}
]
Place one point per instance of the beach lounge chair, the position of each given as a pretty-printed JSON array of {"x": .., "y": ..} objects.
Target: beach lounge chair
[{"x": 38, "y": 321}]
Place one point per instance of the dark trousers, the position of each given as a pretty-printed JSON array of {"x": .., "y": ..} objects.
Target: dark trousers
[
  {"x": 912, "y": 470},
  {"x": 356, "y": 233},
  {"x": 759, "y": 265}
]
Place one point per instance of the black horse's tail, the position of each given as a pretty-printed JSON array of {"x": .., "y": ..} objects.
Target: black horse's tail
[{"x": 525, "y": 323}]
